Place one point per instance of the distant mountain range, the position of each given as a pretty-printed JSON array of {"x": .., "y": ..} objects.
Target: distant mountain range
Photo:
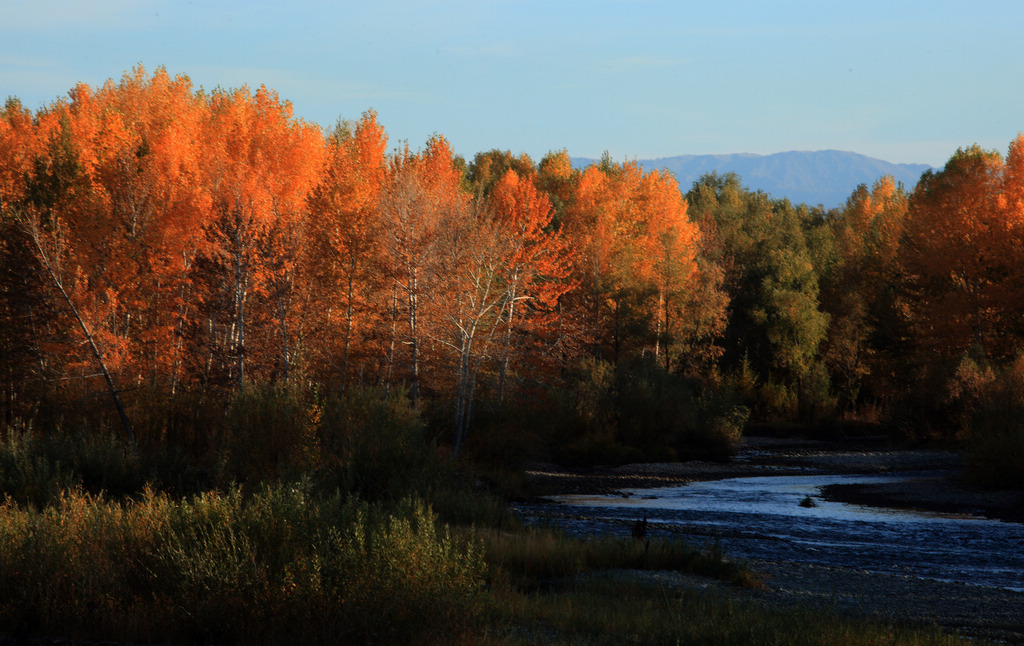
[{"x": 825, "y": 177}]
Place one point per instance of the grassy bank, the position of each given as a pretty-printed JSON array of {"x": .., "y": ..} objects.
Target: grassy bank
[
  {"x": 616, "y": 609},
  {"x": 360, "y": 534},
  {"x": 285, "y": 566}
]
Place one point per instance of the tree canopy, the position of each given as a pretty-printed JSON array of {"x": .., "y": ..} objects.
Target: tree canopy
[{"x": 164, "y": 245}]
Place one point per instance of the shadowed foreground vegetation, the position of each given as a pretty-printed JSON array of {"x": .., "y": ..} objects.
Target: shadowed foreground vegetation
[
  {"x": 305, "y": 560},
  {"x": 612, "y": 610},
  {"x": 280, "y": 566},
  {"x": 225, "y": 568}
]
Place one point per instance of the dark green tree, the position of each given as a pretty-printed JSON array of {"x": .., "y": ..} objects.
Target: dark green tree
[
  {"x": 489, "y": 167},
  {"x": 775, "y": 326},
  {"x": 863, "y": 348}
]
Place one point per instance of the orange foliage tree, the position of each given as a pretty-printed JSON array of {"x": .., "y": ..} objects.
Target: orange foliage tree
[
  {"x": 260, "y": 164},
  {"x": 637, "y": 257},
  {"x": 501, "y": 274},
  {"x": 344, "y": 252},
  {"x": 111, "y": 219},
  {"x": 962, "y": 283},
  {"x": 536, "y": 269},
  {"x": 670, "y": 247},
  {"x": 423, "y": 190},
  {"x": 958, "y": 254},
  {"x": 22, "y": 362},
  {"x": 156, "y": 203},
  {"x": 141, "y": 200}
]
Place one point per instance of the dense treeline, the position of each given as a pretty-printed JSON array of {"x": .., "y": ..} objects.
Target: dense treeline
[{"x": 174, "y": 260}]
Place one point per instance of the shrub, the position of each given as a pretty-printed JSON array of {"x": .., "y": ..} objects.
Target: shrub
[
  {"x": 275, "y": 567},
  {"x": 993, "y": 402},
  {"x": 510, "y": 432},
  {"x": 635, "y": 411},
  {"x": 37, "y": 469},
  {"x": 582, "y": 426},
  {"x": 372, "y": 443},
  {"x": 27, "y": 474},
  {"x": 269, "y": 432},
  {"x": 411, "y": 580}
]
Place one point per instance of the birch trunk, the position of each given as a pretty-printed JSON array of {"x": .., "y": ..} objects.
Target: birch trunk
[{"x": 84, "y": 327}]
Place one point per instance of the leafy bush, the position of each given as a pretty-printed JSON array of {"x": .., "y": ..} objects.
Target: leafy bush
[
  {"x": 509, "y": 433},
  {"x": 27, "y": 474},
  {"x": 367, "y": 442}
]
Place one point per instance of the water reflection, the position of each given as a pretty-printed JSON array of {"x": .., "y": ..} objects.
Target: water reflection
[{"x": 762, "y": 518}]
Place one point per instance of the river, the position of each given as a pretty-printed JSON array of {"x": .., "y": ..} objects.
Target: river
[{"x": 762, "y": 518}]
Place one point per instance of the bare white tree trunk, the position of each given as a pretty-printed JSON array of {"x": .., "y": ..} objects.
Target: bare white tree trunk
[{"x": 48, "y": 264}]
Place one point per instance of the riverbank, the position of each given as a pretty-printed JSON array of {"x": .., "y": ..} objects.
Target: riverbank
[
  {"x": 955, "y": 608},
  {"x": 976, "y": 611}
]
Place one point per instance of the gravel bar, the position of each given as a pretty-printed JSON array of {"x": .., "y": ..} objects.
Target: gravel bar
[{"x": 971, "y": 611}]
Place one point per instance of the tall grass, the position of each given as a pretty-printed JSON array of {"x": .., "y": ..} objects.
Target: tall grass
[
  {"x": 37, "y": 469},
  {"x": 618, "y": 610},
  {"x": 537, "y": 555},
  {"x": 223, "y": 568}
]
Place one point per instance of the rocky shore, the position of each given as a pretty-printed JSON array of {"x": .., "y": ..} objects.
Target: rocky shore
[{"x": 974, "y": 611}]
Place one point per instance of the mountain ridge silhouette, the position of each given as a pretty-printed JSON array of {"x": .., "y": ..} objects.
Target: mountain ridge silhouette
[{"x": 820, "y": 177}]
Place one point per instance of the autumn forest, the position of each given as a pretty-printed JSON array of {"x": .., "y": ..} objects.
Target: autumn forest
[{"x": 174, "y": 260}]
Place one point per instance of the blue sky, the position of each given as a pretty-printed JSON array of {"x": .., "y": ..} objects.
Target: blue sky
[{"x": 899, "y": 80}]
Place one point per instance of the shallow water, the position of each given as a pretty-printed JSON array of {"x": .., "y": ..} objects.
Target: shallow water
[{"x": 761, "y": 518}]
